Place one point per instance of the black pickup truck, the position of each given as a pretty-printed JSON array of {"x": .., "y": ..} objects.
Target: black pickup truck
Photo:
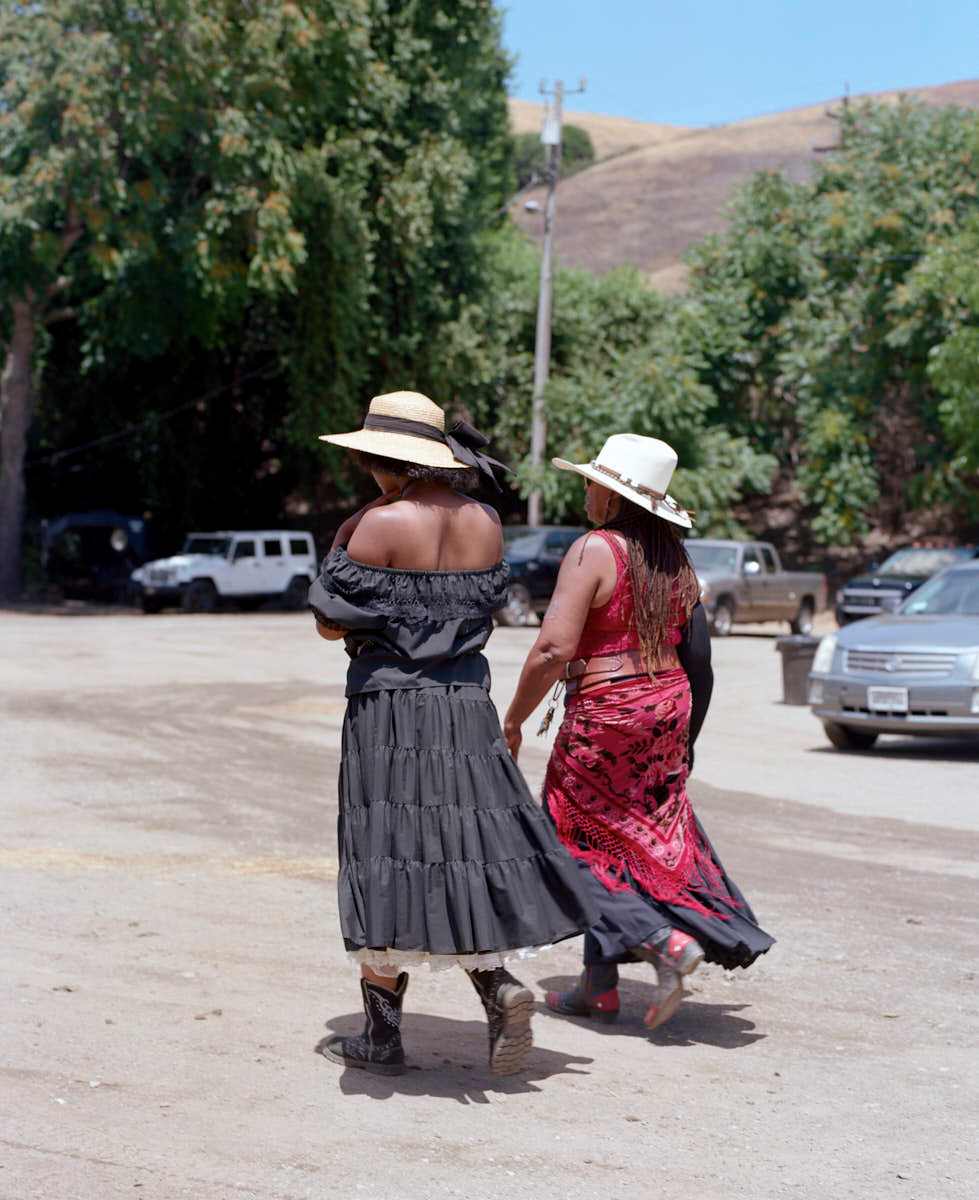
[
  {"x": 886, "y": 586},
  {"x": 534, "y": 556}
]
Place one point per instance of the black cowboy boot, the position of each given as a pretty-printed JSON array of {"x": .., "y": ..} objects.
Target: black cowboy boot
[
  {"x": 594, "y": 995},
  {"x": 378, "y": 1049},
  {"x": 509, "y": 1006}
]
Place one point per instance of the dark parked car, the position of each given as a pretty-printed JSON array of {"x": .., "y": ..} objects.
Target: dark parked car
[
  {"x": 534, "y": 556},
  {"x": 90, "y": 555},
  {"x": 887, "y": 586}
]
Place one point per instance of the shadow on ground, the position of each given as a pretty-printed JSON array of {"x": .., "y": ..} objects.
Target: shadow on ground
[
  {"x": 923, "y": 749},
  {"x": 696, "y": 1023},
  {"x": 447, "y": 1060}
]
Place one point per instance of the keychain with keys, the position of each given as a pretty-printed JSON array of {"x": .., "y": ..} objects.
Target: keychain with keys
[{"x": 551, "y": 707}]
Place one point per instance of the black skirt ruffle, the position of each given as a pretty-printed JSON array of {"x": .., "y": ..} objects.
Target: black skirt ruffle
[
  {"x": 442, "y": 848},
  {"x": 733, "y": 938}
]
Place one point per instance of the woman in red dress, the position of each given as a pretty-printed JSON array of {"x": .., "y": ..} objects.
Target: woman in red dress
[{"x": 626, "y": 630}]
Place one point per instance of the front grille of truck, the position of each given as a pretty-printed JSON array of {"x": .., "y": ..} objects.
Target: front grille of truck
[{"x": 894, "y": 662}]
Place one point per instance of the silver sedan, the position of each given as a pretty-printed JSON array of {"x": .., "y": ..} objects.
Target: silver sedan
[{"x": 912, "y": 672}]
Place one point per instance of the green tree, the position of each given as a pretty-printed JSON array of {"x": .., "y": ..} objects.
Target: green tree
[
  {"x": 530, "y": 159},
  {"x": 623, "y": 358},
  {"x": 817, "y": 348},
  {"x": 166, "y": 164}
]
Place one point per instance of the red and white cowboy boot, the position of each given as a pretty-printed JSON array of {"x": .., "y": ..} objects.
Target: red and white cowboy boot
[
  {"x": 674, "y": 955},
  {"x": 594, "y": 995}
]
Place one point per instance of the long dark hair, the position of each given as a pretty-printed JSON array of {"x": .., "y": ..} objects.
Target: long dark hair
[{"x": 664, "y": 583}]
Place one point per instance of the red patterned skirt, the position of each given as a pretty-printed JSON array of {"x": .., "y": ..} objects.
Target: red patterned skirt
[{"x": 616, "y": 789}]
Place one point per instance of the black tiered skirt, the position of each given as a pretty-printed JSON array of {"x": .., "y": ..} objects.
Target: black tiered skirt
[{"x": 444, "y": 854}]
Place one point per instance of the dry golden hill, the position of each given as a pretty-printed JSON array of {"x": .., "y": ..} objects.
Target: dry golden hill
[
  {"x": 609, "y": 135},
  {"x": 645, "y": 206}
]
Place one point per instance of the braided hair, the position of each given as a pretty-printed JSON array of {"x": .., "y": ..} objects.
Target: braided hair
[{"x": 664, "y": 584}]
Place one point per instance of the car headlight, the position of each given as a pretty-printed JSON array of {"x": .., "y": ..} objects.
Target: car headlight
[
  {"x": 137, "y": 575},
  {"x": 704, "y": 588},
  {"x": 822, "y": 664}
]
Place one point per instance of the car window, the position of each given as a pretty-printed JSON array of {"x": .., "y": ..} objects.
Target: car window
[
  {"x": 525, "y": 546},
  {"x": 557, "y": 542},
  {"x": 750, "y": 555},
  {"x": 769, "y": 559},
  {"x": 272, "y": 547},
  {"x": 711, "y": 558},
  {"x": 206, "y": 545},
  {"x": 298, "y": 546},
  {"x": 952, "y": 593},
  {"x": 244, "y": 550},
  {"x": 923, "y": 560}
]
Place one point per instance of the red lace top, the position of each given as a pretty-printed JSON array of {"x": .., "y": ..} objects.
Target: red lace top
[{"x": 611, "y": 627}]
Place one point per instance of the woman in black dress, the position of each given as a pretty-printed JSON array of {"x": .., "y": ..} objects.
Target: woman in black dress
[{"x": 445, "y": 858}]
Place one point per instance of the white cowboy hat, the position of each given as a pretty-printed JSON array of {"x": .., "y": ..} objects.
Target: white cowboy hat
[{"x": 639, "y": 468}]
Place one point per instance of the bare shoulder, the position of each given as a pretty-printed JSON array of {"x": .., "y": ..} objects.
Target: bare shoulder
[
  {"x": 482, "y": 526},
  {"x": 490, "y": 512},
  {"x": 380, "y": 531},
  {"x": 590, "y": 553}
]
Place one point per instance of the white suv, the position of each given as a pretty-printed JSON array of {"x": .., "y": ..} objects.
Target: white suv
[{"x": 245, "y": 566}]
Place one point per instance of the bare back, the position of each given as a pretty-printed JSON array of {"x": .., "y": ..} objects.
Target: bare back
[{"x": 431, "y": 529}]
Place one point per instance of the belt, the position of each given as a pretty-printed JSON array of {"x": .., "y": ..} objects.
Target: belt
[{"x": 626, "y": 662}]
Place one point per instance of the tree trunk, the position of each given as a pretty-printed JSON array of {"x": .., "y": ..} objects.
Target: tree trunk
[{"x": 15, "y": 418}]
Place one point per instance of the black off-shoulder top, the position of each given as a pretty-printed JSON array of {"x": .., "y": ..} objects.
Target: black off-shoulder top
[{"x": 409, "y": 629}]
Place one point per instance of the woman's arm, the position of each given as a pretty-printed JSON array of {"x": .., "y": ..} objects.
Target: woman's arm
[{"x": 577, "y": 582}]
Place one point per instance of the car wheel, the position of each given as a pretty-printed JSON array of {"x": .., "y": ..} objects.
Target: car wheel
[
  {"x": 844, "y": 737},
  {"x": 723, "y": 619},
  {"x": 201, "y": 596},
  {"x": 150, "y": 604},
  {"x": 804, "y": 619},
  {"x": 297, "y": 593},
  {"x": 518, "y": 608}
]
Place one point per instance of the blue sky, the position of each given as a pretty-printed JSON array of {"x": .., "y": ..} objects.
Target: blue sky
[{"x": 701, "y": 62}]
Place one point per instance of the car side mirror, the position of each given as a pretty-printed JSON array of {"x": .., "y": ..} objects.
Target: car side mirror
[{"x": 751, "y": 568}]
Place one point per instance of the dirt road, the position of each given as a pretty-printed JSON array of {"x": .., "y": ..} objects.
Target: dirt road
[{"x": 171, "y": 956}]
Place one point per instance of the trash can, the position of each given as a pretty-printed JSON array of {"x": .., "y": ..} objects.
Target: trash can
[{"x": 797, "y": 654}]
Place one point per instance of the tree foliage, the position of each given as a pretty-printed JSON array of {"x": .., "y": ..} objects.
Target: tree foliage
[
  {"x": 530, "y": 155},
  {"x": 305, "y": 184},
  {"x": 623, "y": 358},
  {"x": 833, "y": 330}
]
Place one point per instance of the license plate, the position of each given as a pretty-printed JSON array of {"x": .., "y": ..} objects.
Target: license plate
[{"x": 887, "y": 699}]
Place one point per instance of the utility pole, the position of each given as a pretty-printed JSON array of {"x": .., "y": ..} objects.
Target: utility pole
[{"x": 551, "y": 138}]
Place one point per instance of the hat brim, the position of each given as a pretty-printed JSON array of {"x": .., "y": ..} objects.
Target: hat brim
[
  {"x": 659, "y": 508},
  {"x": 401, "y": 446}
]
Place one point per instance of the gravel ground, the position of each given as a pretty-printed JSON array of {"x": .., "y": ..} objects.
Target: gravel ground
[{"x": 170, "y": 956}]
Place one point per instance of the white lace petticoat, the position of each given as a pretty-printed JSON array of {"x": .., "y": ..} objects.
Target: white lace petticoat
[{"x": 392, "y": 962}]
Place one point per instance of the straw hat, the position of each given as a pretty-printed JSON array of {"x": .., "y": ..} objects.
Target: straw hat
[
  {"x": 639, "y": 468},
  {"x": 402, "y": 425}
]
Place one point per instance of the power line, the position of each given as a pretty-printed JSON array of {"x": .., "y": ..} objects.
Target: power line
[{"x": 130, "y": 430}]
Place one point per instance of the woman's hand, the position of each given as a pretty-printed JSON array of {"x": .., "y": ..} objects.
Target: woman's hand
[
  {"x": 346, "y": 530},
  {"x": 513, "y": 737},
  {"x": 331, "y": 632}
]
